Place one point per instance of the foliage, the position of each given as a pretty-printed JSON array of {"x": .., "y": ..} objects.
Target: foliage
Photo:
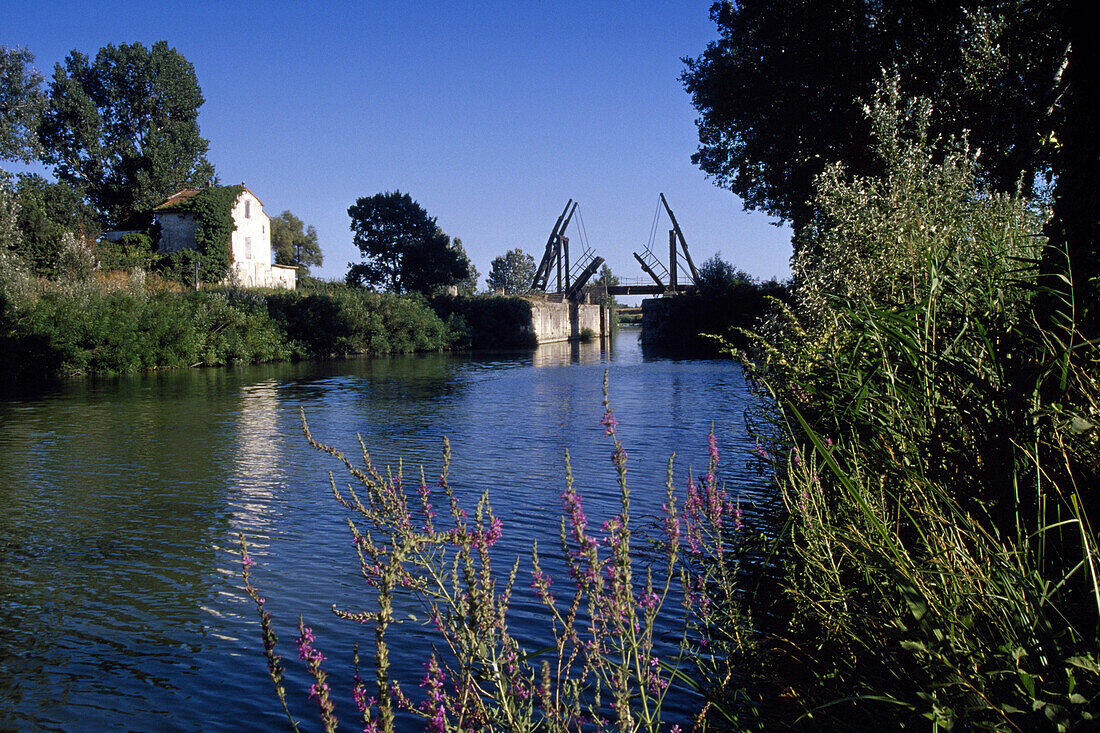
[
  {"x": 725, "y": 303},
  {"x": 11, "y": 239},
  {"x": 212, "y": 209},
  {"x": 124, "y": 128},
  {"x": 511, "y": 272},
  {"x": 608, "y": 279},
  {"x": 294, "y": 243},
  {"x": 935, "y": 445},
  {"x": 487, "y": 321},
  {"x": 994, "y": 67},
  {"x": 133, "y": 249},
  {"x": 467, "y": 285},
  {"x": 78, "y": 326},
  {"x": 96, "y": 332},
  {"x": 17, "y": 283},
  {"x": 351, "y": 321},
  {"x": 603, "y": 667},
  {"x": 403, "y": 248},
  {"x": 1075, "y": 225},
  {"x": 75, "y": 261},
  {"x": 718, "y": 277},
  {"x": 870, "y": 238},
  {"x": 47, "y": 212},
  {"x": 21, "y": 105}
]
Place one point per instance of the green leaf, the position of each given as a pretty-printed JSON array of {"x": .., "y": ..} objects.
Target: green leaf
[
  {"x": 1085, "y": 662},
  {"x": 1080, "y": 425}
]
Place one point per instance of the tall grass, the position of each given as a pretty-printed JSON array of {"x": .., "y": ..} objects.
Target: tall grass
[{"x": 937, "y": 447}]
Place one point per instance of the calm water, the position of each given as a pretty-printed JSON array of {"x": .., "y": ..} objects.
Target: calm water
[{"x": 121, "y": 605}]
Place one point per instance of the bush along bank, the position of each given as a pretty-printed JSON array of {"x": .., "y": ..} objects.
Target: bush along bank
[
  {"x": 487, "y": 322},
  {"x": 49, "y": 330},
  {"x": 713, "y": 318},
  {"x": 936, "y": 440}
]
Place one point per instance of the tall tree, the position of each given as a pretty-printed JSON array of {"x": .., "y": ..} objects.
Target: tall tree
[
  {"x": 468, "y": 284},
  {"x": 21, "y": 104},
  {"x": 779, "y": 93},
  {"x": 512, "y": 272},
  {"x": 294, "y": 243},
  {"x": 47, "y": 213},
  {"x": 124, "y": 128},
  {"x": 402, "y": 246}
]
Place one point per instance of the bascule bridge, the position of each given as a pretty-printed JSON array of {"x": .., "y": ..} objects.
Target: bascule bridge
[{"x": 564, "y": 277}]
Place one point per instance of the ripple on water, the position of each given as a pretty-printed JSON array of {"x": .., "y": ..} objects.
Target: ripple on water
[{"x": 122, "y": 602}]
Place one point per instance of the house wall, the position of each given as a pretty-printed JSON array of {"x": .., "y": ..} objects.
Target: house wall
[
  {"x": 284, "y": 277},
  {"x": 251, "y": 242},
  {"x": 177, "y": 231}
]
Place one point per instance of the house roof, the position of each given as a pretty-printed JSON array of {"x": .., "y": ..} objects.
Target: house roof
[
  {"x": 177, "y": 198},
  {"x": 182, "y": 195}
]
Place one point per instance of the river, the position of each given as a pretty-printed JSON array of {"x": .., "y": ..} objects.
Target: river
[{"x": 121, "y": 602}]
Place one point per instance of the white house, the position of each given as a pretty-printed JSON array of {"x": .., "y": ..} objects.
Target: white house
[{"x": 250, "y": 243}]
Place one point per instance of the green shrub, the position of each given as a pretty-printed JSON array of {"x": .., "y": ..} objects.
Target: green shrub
[
  {"x": 487, "y": 321},
  {"x": 133, "y": 250},
  {"x": 233, "y": 327},
  {"x": 936, "y": 448},
  {"x": 722, "y": 307},
  {"x": 83, "y": 329},
  {"x": 348, "y": 321}
]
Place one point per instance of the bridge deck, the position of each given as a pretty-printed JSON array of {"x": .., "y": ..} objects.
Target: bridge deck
[{"x": 650, "y": 289}]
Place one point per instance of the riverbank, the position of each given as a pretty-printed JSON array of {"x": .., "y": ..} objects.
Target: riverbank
[{"x": 117, "y": 323}]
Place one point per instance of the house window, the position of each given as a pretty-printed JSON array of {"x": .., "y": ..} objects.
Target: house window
[
  {"x": 248, "y": 248},
  {"x": 248, "y": 208}
]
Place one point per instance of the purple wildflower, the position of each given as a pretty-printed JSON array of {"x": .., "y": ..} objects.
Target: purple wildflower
[
  {"x": 436, "y": 700},
  {"x": 610, "y": 423},
  {"x": 306, "y": 652}
]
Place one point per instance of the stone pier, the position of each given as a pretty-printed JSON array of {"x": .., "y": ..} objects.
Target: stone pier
[{"x": 568, "y": 321}]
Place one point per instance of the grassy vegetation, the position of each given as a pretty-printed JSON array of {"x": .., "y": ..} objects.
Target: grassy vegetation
[
  {"x": 120, "y": 322},
  {"x": 487, "y": 321},
  {"x": 938, "y": 450},
  {"x": 726, "y": 303}
]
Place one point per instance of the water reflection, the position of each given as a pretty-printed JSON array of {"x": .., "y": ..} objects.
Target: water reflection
[
  {"x": 121, "y": 598},
  {"x": 112, "y": 504},
  {"x": 257, "y": 474},
  {"x": 561, "y": 353}
]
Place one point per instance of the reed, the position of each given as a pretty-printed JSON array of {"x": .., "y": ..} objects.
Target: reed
[{"x": 936, "y": 444}]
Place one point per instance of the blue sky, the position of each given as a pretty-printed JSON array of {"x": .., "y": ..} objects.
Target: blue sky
[{"x": 491, "y": 115}]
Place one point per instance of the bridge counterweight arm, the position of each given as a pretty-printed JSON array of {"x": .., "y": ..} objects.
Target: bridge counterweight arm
[
  {"x": 542, "y": 274},
  {"x": 583, "y": 278},
  {"x": 680, "y": 236},
  {"x": 648, "y": 271}
]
